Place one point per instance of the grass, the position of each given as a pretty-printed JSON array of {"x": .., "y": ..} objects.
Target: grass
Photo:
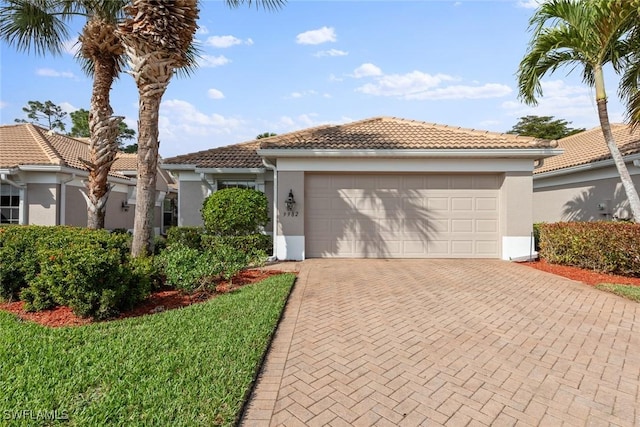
[
  {"x": 187, "y": 367},
  {"x": 627, "y": 291}
]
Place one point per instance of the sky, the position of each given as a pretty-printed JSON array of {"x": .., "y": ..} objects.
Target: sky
[{"x": 326, "y": 62}]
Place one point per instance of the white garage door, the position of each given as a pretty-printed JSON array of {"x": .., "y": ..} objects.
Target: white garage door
[{"x": 402, "y": 216}]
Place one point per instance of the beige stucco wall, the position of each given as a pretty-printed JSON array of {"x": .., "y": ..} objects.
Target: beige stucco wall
[
  {"x": 191, "y": 194},
  {"x": 41, "y": 204},
  {"x": 115, "y": 216},
  {"x": 292, "y": 223},
  {"x": 516, "y": 204},
  {"x": 268, "y": 191},
  {"x": 76, "y": 208},
  {"x": 580, "y": 201}
]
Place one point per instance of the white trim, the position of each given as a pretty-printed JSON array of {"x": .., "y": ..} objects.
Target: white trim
[
  {"x": 290, "y": 248},
  {"x": 586, "y": 167},
  {"x": 579, "y": 176},
  {"x": 380, "y": 165},
  {"x": 178, "y": 166},
  {"x": 230, "y": 170},
  {"x": 529, "y": 153},
  {"x": 517, "y": 247}
]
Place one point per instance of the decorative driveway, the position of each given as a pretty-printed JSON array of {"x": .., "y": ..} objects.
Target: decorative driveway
[{"x": 448, "y": 342}]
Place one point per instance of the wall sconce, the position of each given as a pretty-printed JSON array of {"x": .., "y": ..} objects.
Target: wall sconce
[
  {"x": 290, "y": 202},
  {"x": 125, "y": 206}
]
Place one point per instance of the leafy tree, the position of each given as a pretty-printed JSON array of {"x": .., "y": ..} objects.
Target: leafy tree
[
  {"x": 584, "y": 34},
  {"x": 545, "y": 127},
  {"x": 158, "y": 39},
  {"x": 266, "y": 135},
  {"x": 45, "y": 114},
  {"x": 80, "y": 129},
  {"x": 42, "y": 26}
]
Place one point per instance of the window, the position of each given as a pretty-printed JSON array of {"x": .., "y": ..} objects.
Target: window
[
  {"x": 9, "y": 204},
  {"x": 236, "y": 184}
]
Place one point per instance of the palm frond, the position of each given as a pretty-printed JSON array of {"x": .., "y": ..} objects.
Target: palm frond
[{"x": 266, "y": 4}]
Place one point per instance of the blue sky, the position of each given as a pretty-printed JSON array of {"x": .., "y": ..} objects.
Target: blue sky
[{"x": 320, "y": 62}]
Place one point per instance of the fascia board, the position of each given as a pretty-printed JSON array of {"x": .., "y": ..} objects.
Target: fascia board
[
  {"x": 583, "y": 168},
  {"x": 532, "y": 153}
]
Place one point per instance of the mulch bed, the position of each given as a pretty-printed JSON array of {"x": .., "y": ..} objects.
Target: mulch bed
[
  {"x": 157, "y": 302},
  {"x": 586, "y": 276}
]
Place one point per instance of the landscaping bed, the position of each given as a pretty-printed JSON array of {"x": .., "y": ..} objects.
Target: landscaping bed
[{"x": 589, "y": 277}]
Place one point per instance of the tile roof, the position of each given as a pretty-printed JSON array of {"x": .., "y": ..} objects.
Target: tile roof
[
  {"x": 126, "y": 162},
  {"x": 28, "y": 144},
  {"x": 589, "y": 146},
  {"x": 374, "y": 133},
  {"x": 395, "y": 133},
  {"x": 232, "y": 156}
]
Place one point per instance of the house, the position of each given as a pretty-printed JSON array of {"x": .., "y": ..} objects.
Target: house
[
  {"x": 42, "y": 180},
  {"x": 383, "y": 187},
  {"x": 583, "y": 184}
]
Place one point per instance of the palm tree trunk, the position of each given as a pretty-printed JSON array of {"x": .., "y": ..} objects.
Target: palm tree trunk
[
  {"x": 100, "y": 46},
  {"x": 625, "y": 177}
]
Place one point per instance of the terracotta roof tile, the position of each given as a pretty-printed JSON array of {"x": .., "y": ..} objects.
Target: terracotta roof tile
[
  {"x": 232, "y": 156},
  {"x": 375, "y": 133},
  {"x": 589, "y": 146},
  {"x": 27, "y": 144},
  {"x": 126, "y": 162},
  {"x": 395, "y": 133}
]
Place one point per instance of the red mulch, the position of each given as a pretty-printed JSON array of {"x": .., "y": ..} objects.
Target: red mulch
[
  {"x": 586, "y": 276},
  {"x": 155, "y": 303}
]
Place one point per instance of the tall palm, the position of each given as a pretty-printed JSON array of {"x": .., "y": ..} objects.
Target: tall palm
[
  {"x": 42, "y": 25},
  {"x": 158, "y": 40},
  {"x": 585, "y": 34}
]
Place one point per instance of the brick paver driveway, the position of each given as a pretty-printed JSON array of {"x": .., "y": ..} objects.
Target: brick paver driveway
[{"x": 449, "y": 342}]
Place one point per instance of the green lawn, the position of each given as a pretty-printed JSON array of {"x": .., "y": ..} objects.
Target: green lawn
[
  {"x": 186, "y": 367},
  {"x": 626, "y": 291}
]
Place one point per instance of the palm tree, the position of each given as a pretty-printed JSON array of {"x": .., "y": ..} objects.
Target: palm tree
[
  {"x": 42, "y": 26},
  {"x": 158, "y": 40},
  {"x": 587, "y": 34}
]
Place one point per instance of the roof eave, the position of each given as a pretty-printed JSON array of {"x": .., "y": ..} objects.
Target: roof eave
[
  {"x": 532, "y": 153},
  {"x": 584, "y": 167}
]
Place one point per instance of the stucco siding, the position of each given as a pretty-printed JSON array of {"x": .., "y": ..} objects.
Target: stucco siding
[
  {"x": 76, "y": 207},
  {"x": 115, "y": 216},
  {"x": 42, "y": 204},
  {"x": 191, "y": 194},
  {"x": 593, "y": 200}
]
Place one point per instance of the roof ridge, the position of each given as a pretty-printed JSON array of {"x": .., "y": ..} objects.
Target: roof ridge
[{"x": 52, "y": 154}]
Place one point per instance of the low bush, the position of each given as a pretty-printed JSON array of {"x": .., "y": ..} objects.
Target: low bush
[
  {"x": 609, "y": 247},
  {"x": 87, "y": 270},
  {"x": 235, "y": 212},
  {"x": 185, "y": 236},
  {"x": 255, "y": 246}
]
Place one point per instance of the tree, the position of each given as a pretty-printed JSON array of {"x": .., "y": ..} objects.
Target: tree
[
  {"x": 45, "y": 114},
  {"x": 42, "y": 26},
  {"x": 266, "y": 135},
  {"x": 544, "y": 127},
  {"x": 585, "y": 34},
  {"x": 80, "y": 129},
  {"x": 158, "y": 39}
]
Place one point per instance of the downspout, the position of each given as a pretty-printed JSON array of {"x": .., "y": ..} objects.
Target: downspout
[
  {"x": 272, "y": 166},
  {"x": 63, "y": 199}
]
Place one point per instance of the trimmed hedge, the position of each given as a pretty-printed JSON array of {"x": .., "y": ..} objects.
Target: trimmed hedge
[
  {"x": 608, "y": 247},
  {"x": 235, "y": 212},
  {"x": 185, "y": 236},
  {"x": 88, "y": 270}
]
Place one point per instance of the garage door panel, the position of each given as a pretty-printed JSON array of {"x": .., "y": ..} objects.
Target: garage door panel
[{"x": 402, "y": 216}]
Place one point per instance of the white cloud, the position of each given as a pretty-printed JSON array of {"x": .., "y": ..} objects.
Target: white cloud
[
  {"x": 575, "y": 103},
  {"x": 366, "y": 70},
  {"x": 404, "y": 85},
  {"x": 67, "y": 107},
  {"x": 319, "y": 36},
  {"x": 301, "y": 94},
  {"x": 334, "y": 78},
  {"x": 49, "y": 72},
  {"x": 226, "y": 41},
  {"x": 71, "y": 46},
  {"x": 529, "y": 4},
  {"x": 330, "y": 52},
  {"x": 202, "y": 30},
  {"x": 3, "y": 104},
  {"x": 488, "y": 90},
  {"x": 211, "y": 61},
  {"x": 215, "y": 94}
]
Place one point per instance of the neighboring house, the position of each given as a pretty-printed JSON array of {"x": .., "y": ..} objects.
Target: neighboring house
[
  {"x": 42, "y": 178},
  {"x": 583, "y": 184},
  {"x": 381, "y": 188}
]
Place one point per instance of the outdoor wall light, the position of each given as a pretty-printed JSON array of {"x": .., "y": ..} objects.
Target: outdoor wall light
[
  {"x": 125, "y": 206},
  {"x": 290, "y": 202}
]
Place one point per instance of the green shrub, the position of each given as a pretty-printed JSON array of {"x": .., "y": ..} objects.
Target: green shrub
[
  {"x": 609, "y": 247},
  {"x": 536, "y": 236},
  {"x": 230, "y": 260},
  {"x": 185, "y": 236},
  {"x": 255, "y": 246},
  {"x": 159, "y": 244},
  {"x": 187, "y": 268},
  {"x": 235, "y": 212},
  {"x": 87, "y": 270}
]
